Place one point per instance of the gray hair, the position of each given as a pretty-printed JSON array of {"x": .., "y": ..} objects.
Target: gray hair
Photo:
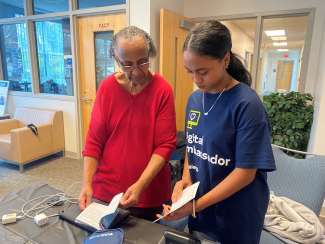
[{"x": 130, "y": 33}]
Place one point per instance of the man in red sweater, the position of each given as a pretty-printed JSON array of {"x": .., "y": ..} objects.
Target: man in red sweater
[{"x": 132, "y": 131}]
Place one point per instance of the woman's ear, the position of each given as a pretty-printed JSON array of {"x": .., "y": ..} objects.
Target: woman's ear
[{"x": 226, "y": 59}]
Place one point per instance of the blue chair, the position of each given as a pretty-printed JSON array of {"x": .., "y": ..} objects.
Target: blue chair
[{"x": 302, "y": 180}]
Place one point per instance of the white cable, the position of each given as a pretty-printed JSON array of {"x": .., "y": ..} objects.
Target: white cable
[
  {"x": 293, "y": 150},
  {"x": 36, "y": 207}
]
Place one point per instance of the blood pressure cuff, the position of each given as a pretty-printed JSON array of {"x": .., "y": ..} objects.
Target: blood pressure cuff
[{"x": 112, "y": 236}]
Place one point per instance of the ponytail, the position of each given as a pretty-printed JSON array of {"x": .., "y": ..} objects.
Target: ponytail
[{"x": 238, "y": 71}]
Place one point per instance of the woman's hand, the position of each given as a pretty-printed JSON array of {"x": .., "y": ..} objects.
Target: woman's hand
[
  {"x": 184, "y": 211},
  {"x": 177, "y": 192},
  {"x": 131, "y": 196},
  {"x": 85, "y": 196}
]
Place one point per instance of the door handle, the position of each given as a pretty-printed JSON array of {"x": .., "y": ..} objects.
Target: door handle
[{"x": 86, "y": 99}]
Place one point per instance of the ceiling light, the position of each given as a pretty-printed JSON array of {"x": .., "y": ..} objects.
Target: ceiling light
[
  {"x": 282, "y": 50},
  {"x": 279, "y": 38},
  {"x": 275, "y": 33},
  {"x": 277, "y": 44}
]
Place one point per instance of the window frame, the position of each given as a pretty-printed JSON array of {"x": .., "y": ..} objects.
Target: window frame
[
  {"x": 1, "y": 67},
  {"x": 260, "y": 16},
  {"x": 73, "y": 13}
]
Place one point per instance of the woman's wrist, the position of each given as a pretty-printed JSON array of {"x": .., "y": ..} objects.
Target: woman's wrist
[{"x": 198, "y": 205}]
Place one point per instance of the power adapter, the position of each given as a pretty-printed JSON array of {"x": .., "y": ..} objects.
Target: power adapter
[
  {"x": 9, "y": 218},
  {"x": 41, "y": 219}
]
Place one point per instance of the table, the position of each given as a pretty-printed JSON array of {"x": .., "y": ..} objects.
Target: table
[{"x": 137, "y": 231}]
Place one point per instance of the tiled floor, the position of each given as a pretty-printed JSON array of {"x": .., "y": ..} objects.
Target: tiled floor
[{"x": 60, "y": 173}]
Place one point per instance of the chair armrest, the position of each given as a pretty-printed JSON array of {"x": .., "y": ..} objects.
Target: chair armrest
[
  {"x": 30, "y": 146},
  {"x": 6, "y": 125}
]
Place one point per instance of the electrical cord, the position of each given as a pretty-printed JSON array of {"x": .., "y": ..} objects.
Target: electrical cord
[{"x": 35, "y": 208}]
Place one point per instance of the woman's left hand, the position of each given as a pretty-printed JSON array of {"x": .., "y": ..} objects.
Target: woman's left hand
[
  {"x": 184, "y": 211},
  {"x": 131, "y": 196}
]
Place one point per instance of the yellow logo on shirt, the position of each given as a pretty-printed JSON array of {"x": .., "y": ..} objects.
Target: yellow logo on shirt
[{"x": 193, "y": 118}]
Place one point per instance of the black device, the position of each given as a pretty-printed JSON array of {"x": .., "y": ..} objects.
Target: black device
[
  {"x": 177, "y": 237},
  {"x": 114, "y": 220}
]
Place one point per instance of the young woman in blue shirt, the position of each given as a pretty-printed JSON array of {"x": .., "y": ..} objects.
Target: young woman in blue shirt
[{"x": 228, "y": 142}]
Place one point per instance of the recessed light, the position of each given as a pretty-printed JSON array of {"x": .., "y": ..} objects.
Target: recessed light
[
  {"x": 279, "y": 38},
  {"x": 282, "y": 50},
  {"x": 277, "y": 44},
  {"x": 275, "y": 33}
]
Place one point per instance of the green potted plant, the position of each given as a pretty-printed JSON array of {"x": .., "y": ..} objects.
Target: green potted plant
[{"x": 291, "y": 117}]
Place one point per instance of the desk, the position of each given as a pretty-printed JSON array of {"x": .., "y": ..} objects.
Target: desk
[{"x": 137, "y": 231}]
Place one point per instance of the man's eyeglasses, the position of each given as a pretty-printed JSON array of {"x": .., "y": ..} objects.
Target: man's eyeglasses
[{"x": 139, "y": 65}]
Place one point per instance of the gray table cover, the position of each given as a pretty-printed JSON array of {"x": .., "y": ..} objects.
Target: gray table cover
[{"x": 60, "y": 232}]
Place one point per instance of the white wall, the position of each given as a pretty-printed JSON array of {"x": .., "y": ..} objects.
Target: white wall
[
  {"x": 145, "y": 14},
  {"x": 69, "y": 116},
  {"x": 318, "y": 130},
  {"x": 139, "y": 14},
  {"x": 241, "y": 42},
  {"x": 315, "y": 82},
  {"x": 155, "y": 6}
]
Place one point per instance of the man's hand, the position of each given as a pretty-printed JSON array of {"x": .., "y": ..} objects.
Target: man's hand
[
  {"x": 85, "y": 197},
  {"x": 131, "y": 196}
]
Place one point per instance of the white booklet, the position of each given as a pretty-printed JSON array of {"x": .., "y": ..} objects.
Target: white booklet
[
  {"x": 188, "y": 194},
  {"x": 92, "y": 214}
]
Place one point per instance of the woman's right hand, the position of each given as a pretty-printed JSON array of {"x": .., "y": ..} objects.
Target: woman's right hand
[
  {"x": 177, "y": 192},
  {"x": 85, "y": 197}
]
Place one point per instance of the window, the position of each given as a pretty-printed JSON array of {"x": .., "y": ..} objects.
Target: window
[
  {"x": 15, "y": 57},
  {"x": 243, "y": 37},
  {"x": 50, "y": 6},
  {"x": 9, "y": 8},
  {"x": 281, "y": 53},
  {"x": 53, "y": 47},
  {"x": 98, "y": 3},
  {"x": 104, "y": 61}
]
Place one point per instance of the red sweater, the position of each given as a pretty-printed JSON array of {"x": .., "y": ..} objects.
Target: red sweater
[{"x": 125, "y": 130}]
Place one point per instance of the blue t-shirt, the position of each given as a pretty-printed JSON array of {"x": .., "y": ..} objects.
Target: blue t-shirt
[{"x": 234, "y": 134}]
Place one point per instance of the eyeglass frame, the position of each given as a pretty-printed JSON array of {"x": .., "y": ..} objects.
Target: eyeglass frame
[{"x": 132, "y": 67}]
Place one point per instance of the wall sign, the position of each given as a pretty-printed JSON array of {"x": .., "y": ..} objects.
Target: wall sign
[{"x": 4, "y": 85}]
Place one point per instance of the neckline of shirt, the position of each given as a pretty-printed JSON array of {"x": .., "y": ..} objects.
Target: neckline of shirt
[
  {"x": 139, "y": 93},
  {"x": 209, "y": 94}
]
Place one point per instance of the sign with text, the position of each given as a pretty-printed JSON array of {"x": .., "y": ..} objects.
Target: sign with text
[{"x": 4, "y": 85}]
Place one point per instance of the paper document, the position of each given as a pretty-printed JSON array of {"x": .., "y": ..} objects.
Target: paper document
[
  {"x": 95, "y": 211},
  {"x": 188, "y": 194}
]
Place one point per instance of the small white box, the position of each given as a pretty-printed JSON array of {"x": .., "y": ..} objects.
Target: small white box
[{"x": 41, "y": 219}]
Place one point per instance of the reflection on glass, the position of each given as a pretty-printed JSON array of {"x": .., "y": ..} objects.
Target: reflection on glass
[
  {"x": 15, "y": 57},
  {"x": 49, "y": 6},
  {"x": 9, "y": 9},
  {"x": 243, "y": 38},
  {"x": 54, "y": 56},
  {"x": 104, "y": 62},
  {"x": 281, "y": 54},
  {"x": 98, "y": 3}
]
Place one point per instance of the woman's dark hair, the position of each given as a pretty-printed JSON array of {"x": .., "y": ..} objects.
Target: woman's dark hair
[
  {"x": 131, "y": 32},
  {"x": 213, "y": 39}
]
